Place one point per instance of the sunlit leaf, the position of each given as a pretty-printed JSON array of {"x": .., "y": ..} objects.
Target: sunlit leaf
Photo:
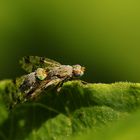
[{"x": 76, "y": 109}]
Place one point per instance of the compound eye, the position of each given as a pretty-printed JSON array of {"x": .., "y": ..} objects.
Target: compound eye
[
  {"x": 41, "y": 73},
  {"x": 77, "y": 70},
  {"x": 78, "y": 73}
]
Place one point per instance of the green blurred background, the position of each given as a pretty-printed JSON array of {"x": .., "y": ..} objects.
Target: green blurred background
[{"x": 104, "y": 36}]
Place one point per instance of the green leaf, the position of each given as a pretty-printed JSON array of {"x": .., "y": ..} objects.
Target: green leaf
[
  {"x": 76, "y": 109},
  {"x": 122, "y": 130}
]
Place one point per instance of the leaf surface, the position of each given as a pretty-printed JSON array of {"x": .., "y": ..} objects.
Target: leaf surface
[{"x": 76, "y": 109}]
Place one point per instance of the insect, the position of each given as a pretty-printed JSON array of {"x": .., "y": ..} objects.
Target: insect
[{"x": 44, "y": 72}]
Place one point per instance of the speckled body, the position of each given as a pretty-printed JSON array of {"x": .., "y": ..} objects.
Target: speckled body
[
  {"x": 61, "y": 71},
  {"x": 49, "y": 73}
]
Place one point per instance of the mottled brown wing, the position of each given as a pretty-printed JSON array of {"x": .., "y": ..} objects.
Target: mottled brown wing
[{"x": 31, "y": 63}]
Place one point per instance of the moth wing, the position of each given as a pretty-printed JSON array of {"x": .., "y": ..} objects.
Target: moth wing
[{"x": 31, "y": 63}]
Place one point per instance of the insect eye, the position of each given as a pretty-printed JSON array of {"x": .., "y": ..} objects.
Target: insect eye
[
  {"x": 78, "y": 74},
  {"x": 41, "y": 74},
  {"x": 78, "y": 70}
]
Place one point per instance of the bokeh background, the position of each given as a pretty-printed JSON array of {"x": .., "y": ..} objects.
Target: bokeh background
[{"x": 104, "y": 36}]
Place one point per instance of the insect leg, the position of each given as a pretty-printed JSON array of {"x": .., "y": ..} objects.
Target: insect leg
[
  {"x": 43, "y": 86},
  {"x": 53, "y": 82},
  {"x": 60, "y": 84}
]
